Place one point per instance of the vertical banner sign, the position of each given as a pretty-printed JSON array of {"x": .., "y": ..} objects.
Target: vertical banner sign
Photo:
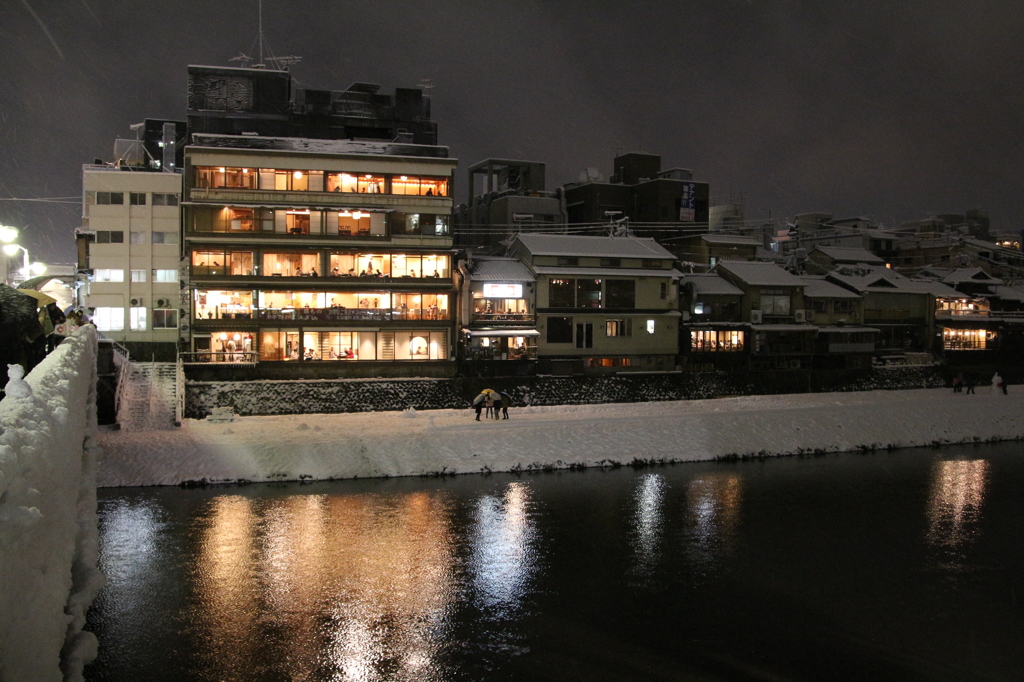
[{"x": 687, "y": 203}]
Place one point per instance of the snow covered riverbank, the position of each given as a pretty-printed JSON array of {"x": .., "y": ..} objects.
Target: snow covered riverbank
[{"x": 321, "y": 446}]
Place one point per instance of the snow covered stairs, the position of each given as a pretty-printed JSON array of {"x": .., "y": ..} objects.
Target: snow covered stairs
[{"x": 147, "y": 396}]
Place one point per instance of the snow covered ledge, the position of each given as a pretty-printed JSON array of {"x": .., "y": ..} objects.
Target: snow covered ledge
[
  {"x": 410, "y": 443},
  {"x": 48, "y": 532}
]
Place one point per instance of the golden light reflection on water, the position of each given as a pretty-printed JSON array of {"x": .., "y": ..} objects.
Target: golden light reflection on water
[
  {"x": 713, "y": 504},
  {"x": 503, "y": 550},
  {"x": 648, "y": 521},
  {"x": 955, "y": 497},
  {"x": 351, "y": 587}
]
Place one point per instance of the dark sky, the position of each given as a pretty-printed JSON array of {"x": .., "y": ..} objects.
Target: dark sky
[{"x": 889, "y": 109}]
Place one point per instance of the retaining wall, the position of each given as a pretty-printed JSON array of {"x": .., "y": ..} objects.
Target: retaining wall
[{"x": 269, "y": 397}]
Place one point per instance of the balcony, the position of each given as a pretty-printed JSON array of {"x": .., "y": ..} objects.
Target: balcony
[
  {"x": 489, "y": 318},
  {"x": 327, "y": 314}
]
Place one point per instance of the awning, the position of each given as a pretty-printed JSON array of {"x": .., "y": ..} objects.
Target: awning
[{"x": 503, "y": 332}]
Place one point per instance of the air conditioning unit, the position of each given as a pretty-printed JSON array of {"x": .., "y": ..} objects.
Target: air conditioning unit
[
  {"x": 162, "y": 302},
  {"x": 136, "y": 302},
  {"x": 800, "y": 316},
  {"x": 755, "y": 317},
  {"x": 183, "y": 327}
]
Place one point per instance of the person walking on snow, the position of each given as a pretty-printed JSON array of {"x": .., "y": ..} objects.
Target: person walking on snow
[{"x": 506, "y": 400}]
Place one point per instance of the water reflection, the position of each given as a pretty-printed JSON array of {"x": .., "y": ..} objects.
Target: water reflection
[
  {"x": 647, "y": 521},
  {"x": 342, "y": 587},
  {"x": 712, "y": 513},
  {"x": 955, "y": 496},
  {"x": 503, "y": 550}
]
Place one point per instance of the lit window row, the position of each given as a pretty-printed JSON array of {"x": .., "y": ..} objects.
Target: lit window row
[
  {"x": 212, "y": 177},
  {"x": 342, "y": 222},
  {"x": 231, "y": 262},
  {"x": 701, "y": 341},
  {"x": 379, "y": 305}
]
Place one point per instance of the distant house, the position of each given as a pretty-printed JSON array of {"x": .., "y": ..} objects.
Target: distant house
[
  {"x": 713, "y": 336},
  {"x": 604, "y": 304},
  {"x": 843, "y": 342},
  {"x": 828, "y": 258},
  {"x": 708, "y": 249},
  {"x": 773, "y": 302},
  {"x": 901, "y": 309},
  {"x": 498, "y": 310}
]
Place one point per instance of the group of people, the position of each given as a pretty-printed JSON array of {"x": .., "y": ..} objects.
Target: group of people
[
  {"x": 960, "y": 380},
  {"x": 496, "y": 402}
]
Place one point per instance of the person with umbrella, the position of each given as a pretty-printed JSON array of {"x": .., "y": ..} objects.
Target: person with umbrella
[
  {"x": 485, "y": 399},
  {"x": 504, "y": 401}
]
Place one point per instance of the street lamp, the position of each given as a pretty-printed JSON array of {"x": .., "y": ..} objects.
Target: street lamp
[{"x": 8, "y": 235}]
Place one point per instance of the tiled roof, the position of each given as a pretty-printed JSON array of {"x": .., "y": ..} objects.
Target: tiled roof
[
  {"x": 500, "y": 270},
  {"x": 878, "y": 279},
  {"x": 845, "y": 254},
  {"x": 603, "y": 272},
  {"x": 759, "y": 273},
  {"x": 602, "y": 247},
  {"x": 976, "y": 275},
  {"x": 730, "y": 239},
  {"x": 710, "y": 284},
  {"x": 819, "y": 287}
]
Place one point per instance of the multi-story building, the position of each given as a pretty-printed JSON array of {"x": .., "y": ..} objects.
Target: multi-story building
[
  {"x": 506, "y": 197},
  {"x": 641, "y": 191},
  {"x": 604, "y": 304},
  {"x": 128, "y": 246},
  {"x": 333, "y": 257}
]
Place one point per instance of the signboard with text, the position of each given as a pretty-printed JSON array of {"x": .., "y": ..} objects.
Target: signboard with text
[
  {"x": 688, "y": 203},
  {"x": 503, "y": 290}
]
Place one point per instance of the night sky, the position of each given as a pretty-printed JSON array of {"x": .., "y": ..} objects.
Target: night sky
[{"x": 893, "y": 110}]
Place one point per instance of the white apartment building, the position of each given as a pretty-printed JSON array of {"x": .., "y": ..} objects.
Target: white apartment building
[{"x": 129, "y": 245}]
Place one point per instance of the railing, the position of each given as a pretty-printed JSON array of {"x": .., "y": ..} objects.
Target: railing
[
  {"x": 328, "y": 314},
  {"x": 948, "y": 314},
  {"x": 503, "y": 317},
  {"x": 245, "y": 357}
]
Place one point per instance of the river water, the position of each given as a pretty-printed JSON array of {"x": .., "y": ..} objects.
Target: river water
[{"x": 906, "y": 565}]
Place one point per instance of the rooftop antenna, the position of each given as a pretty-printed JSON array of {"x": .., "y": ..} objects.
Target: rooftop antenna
[{"x": 279, "y": 63}]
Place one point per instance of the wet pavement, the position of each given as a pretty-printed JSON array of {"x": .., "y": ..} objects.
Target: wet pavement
[{"x": 905, "y": 565}]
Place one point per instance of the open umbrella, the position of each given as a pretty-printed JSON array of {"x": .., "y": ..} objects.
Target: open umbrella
[
  {"x": 19, "y": 311},
  {"x": 44, "y": 299}
]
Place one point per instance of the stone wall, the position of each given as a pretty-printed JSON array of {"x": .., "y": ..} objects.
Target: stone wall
[{"x": 327, "y": 396}]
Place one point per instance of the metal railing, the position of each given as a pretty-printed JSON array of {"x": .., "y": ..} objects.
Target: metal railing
[{"x": 245, "y": 357}]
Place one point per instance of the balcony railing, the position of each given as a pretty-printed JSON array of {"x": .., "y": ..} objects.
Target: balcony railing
[
  {"x": 327, "y": 314},
  {"x": 503, "y": 317},
  {"x": 245, "y": 357}
]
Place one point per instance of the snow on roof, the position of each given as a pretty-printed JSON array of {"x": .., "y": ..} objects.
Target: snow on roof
[
  {"x": 878, "y": 279},
  {"x": 940, "y": 290},
  {"x": 970, "y": 275},
  {"x": 604, "y": 247},
  {"x": 759, "y": 273},
  {"x": 710, "y": 284},
  {"x": 604, "y": 272},
  {"x": 835, "y": 329},
  {"x": 819, "y": 287},
  {"x": 844, "y": 254},
  {"x": 499, "y": 270},
  {"x": 730, "y": 239},
  {"x": 309, "y": 145},
  {"x": 1009, "y": 293}
]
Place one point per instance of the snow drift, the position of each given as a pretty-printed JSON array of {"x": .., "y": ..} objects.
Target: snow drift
[{"x": 48, "y": 532}]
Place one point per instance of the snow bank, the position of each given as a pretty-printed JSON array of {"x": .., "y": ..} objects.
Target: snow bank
[
  {"x": 321, "y": 446},
  {"x": 48, "y": 532}
]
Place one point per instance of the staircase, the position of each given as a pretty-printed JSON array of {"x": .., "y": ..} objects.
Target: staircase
[{"x": 146, "y": 395}]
